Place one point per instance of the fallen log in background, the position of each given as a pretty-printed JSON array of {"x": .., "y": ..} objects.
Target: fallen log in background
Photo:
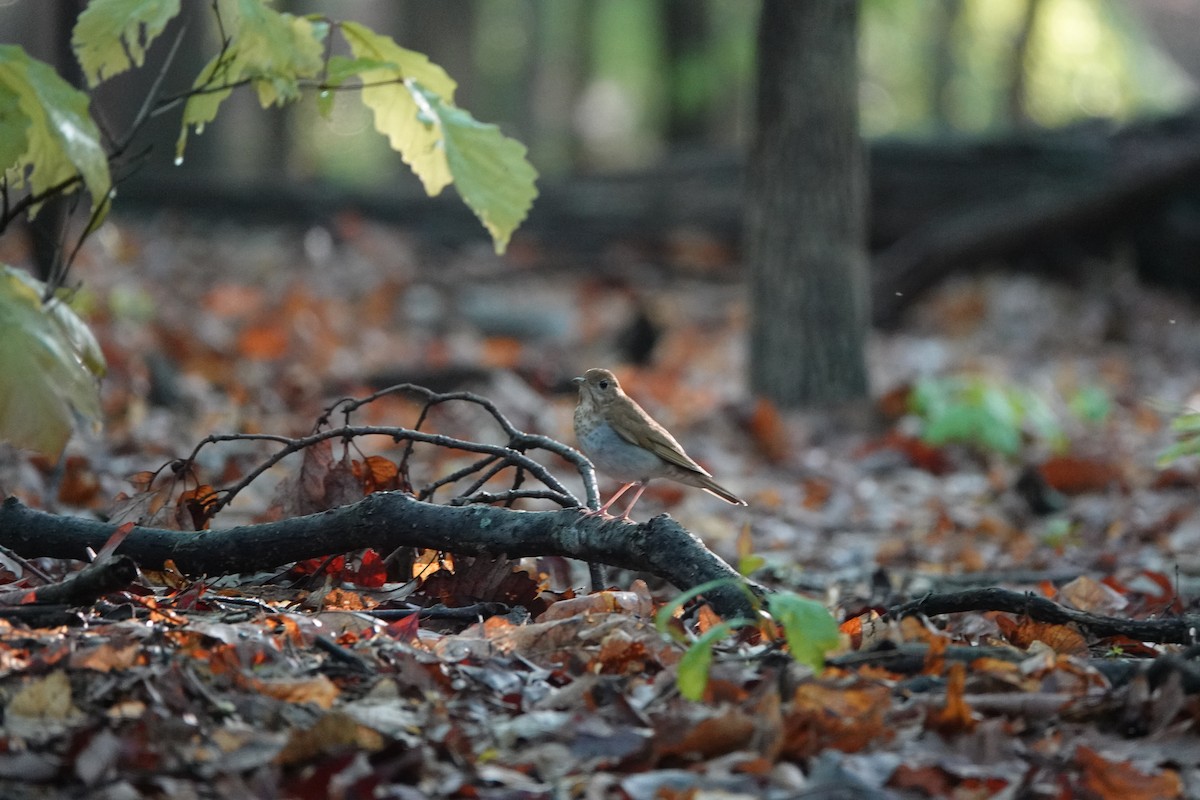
[{"x": 937, "y": 206}]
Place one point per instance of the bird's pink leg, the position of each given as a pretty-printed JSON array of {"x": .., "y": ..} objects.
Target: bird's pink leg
[
  {"x": 603, "y": 510},
  {"x": 636, "y": 495}
]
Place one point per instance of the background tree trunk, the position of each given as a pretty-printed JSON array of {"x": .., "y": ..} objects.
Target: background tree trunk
[{"x": 805, "y": 231}]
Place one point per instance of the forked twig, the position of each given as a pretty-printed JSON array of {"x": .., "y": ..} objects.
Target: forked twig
[{"x": 496, "y": 458}]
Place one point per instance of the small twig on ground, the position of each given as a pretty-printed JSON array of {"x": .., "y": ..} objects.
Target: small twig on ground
[{"x": 1179, "y": 630}]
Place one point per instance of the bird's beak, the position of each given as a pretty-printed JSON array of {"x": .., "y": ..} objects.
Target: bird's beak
[{"x": 577, "y": 381}]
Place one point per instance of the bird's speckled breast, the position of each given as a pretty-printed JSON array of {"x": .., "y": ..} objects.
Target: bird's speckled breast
[{"x": 616, "y": 457}]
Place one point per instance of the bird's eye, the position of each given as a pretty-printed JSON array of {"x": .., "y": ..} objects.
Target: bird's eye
[{"x": 603, "y": 384}]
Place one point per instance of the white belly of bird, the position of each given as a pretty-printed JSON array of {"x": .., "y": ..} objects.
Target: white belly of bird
[{"x": 619, "y": 459}]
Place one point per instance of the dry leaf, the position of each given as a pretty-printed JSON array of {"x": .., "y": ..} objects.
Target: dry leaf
[
  {"x": 334, "y": 733},
  {"x": 1120, "y": 780}
]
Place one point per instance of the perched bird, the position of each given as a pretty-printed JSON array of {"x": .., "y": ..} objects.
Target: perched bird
[{"x": 625, "y": 442}]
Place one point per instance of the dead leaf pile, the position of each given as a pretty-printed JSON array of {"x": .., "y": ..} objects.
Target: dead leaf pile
[{"x": 1020, "y": 672}]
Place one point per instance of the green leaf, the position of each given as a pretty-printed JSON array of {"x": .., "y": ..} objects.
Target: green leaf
[
  {"x": 50, "y": 363},
  {"x": 397, "y": 114},
  {"x": 810, "y": 629},
  {"x": 1186, "y": 423},
  {"x": 61, "y": 140},
  {"x": 750, "y": 563},
  {"x": 1091, "y": 404},
  {"x": 691, "y": 675},
  {"x": 273, "y": 51},
  {"x": 113, "y": 35},
  {"x": 14, "y": 128},
  {"x": 413, "y": 103},
  {"x": 341, "y": 69},
  {"x": 1187, "y": 428},
  {"x": 490, "y": 170}
]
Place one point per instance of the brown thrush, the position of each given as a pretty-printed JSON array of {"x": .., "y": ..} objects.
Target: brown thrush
[{"x": 625, "y": 442}]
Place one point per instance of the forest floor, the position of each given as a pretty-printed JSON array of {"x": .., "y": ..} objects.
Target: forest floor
[{"x": 1057, "y": 401}]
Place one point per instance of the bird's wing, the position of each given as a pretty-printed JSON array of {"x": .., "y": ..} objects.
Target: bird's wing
[
  {"x": 635, "y": 426},
  {"x": 663, "y": 445}
]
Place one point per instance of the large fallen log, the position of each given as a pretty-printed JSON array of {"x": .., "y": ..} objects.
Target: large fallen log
[{"x": 387, "y": 521}]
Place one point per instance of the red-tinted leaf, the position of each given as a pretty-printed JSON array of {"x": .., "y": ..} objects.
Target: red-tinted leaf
[
  {"x": 405, "y": 629},
  {"x": 114, "y": 541},
  {"x": 370, "y": 572},
  {"x": 1078, "y": 475}
]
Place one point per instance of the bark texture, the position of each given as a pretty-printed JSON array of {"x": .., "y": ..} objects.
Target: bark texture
[{"x": 805, "y": 231}]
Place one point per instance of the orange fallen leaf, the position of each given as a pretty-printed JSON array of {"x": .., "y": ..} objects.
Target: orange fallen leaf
[
  {"x": 234, "y": 301},
  {"x": 502, "y": 351},
  {"x": 79, "y": 485},
  {"x": 1088, "y": 594},
  {"x": 1062, "y": 639},
  {"x": 727, "y": 731},
  {"x": 320, "y": 691},
  {"x": 768, "y": 431},
  {"x": 817, "y": 492},
  {"x": 336, "y": 732},
  {"x": 1120, "y": 780},
  {"x": 822, "y": 716},
  {"x": 266, "y": 341},
  {"x": 378, "y": 474},
  {"x": 956, "y": 716},
  {"x": 894, "y": 403},
  {"x": 107, "y": 658}
]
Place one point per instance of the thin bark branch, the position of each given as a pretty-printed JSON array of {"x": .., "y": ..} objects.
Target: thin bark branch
[{"x": 1181, "y": 629}]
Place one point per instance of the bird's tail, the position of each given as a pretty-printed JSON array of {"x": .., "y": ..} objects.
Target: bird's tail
[{"x": 712, "y": 487}]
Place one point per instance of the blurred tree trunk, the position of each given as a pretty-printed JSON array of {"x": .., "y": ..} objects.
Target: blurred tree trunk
[
  {"x": 805, "y": 227},
  {"x": 444, "y": 30},
  {"x": 687, "y": 34},
  {"x": 561, "y": 57},
  {"x": 946, "y": 16},
  {"x": 46, "y": 230},
  {"x": 1016, "y": 95}
]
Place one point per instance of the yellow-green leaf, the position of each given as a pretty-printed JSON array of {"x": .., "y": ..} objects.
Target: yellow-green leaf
[
  {"x": 489, "y": 169},
  {"x": 49, "y": 365},
  {"x": 271, "y": 50},
  {"x": 61, "y": 140},
  {"x": 398, "y": 115},
  {"x": 810, "y": 629},
  {"x": 110, "y": 36}
]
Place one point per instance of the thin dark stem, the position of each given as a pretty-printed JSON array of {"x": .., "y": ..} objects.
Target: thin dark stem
[
  {"x": 517, "y": 439},
  {"x": 455, "y": 476},
  {"x": 149, "y": 104},
  {"x": 295, "y": 445},
  {"x": 28, "y": 200},
  {"x": 484, "y": 478}
]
